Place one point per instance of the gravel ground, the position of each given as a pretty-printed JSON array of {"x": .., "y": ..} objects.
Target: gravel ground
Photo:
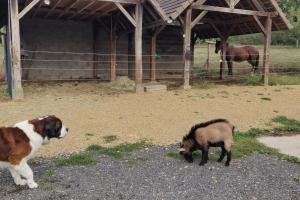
[
  {"x": 157, "y": 177},
  {"x": 92, "y": 111}
]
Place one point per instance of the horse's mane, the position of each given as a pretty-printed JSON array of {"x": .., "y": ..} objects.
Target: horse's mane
[{"x": 191, "y": 134}]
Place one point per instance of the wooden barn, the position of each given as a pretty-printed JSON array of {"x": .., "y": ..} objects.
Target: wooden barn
[{"x": 141, "y": 39}]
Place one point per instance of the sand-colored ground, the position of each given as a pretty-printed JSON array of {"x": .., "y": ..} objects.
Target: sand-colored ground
[{"x": 164, "y": 118}]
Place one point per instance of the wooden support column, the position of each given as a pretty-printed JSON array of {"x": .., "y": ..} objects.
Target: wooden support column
[
  {"x": 95, "y": 48},
  {"x": 17, "y": 90},
  {"x": 138, "y": 48},
  {"x": 267, "y": 44},
  {"x": 223, "y": 57},
  {"x": 153, "y": 52},
  {"x": 153, "y": 57},
  {"x": 187, "y": 48},
  {"x": 113, "y": 51}
]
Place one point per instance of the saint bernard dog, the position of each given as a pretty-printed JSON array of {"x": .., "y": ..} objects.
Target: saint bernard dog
[{"x": 20, "y": 142}]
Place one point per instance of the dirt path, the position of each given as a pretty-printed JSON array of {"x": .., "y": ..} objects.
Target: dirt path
[{"x": 163, "y": 117}]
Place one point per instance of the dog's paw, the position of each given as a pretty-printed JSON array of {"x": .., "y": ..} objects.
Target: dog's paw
[
  {"x": 32, "y": 185},
  {"x": 20, "y": 182}
]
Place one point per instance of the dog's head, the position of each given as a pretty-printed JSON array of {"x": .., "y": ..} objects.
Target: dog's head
[{"x": 49, "y": 127}]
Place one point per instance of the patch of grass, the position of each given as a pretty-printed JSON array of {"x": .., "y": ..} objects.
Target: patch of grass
[
  {"x": 118, "y": 151},
  {"x": 173, "y": 155},
  {"x": 284, "y": 80},
  {"x": 289, "y": 125},
  {"x": 297, "y": 179},
  {"x": 49, "y": 173},
  {"x": 109, "y": 138},
  {"x": 204, "y": 85},
  {"x": 266, "y": 98},
  {"x": 254, "y": 80},
  {"x": 47, "y": 185},
  {"x": 245, "y": 143},
  {"x": 77, "y": 159}
]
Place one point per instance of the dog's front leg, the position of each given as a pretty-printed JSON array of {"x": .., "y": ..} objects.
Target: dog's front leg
[
  {"x": 25, "y": 171},
  {"x": 16, "y": 176}
]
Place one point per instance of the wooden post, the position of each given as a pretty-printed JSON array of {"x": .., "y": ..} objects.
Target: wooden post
[
  {"x": 138, "y": 48},
  {"x": 223, "y": 57},
  {"x": 153, "y": 57},
  {"x": 95, "y": 45},
  {"x": 266, "y": 63},
  {"x": 113, "y": 56},
  {"x": 17, "y": 90},
  {"x": 297, "y": 43},
  {"x": 208, "y": 56},
  {"x": 187, "y": 48}
]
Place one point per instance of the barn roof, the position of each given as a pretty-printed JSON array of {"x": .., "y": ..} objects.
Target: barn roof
[
  {"x": 243, "y": 24},
  {"x": 159, "y": 12}
]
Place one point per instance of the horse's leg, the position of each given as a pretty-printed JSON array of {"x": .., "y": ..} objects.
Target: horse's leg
[{"x": 229, "y": 63}]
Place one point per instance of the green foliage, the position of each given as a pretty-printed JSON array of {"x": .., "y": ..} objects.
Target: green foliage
[
  {"x": 77, "y": 159},
  {"x": 284, "y": 80},
  {"x": 109, "y": 138},
  {"x": 118, "y": 151},
  {"x": 266, "y": 98},
  {"x": 204, "y": 85},
  {"x": 174, "y": 155},
  {"x": 289, "y": 125},
  {"x": 254, "y": 80}
]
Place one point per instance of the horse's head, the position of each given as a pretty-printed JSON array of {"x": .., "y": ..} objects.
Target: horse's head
[
  {"x": 186, "y": 149},
  {"x": 218, "y": 46}
]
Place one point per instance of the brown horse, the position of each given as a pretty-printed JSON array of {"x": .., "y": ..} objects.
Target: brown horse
[{"x": 239, "y": 54}]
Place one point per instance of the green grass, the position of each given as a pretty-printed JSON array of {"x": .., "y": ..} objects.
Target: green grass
[
  {"x": 118, "y": 151},
  {"x": 109, "y": 138},
  {"x": 204, "y": 85},
  {"x": 266, "y": 98},
  {"x": 289, "y": 125},
  {"x": 284, "y": 80},
  {"x": 254, "y": 80},
  {"x": 77, "y": 159},
  {"x": 297, "y": 179},
  {"x": 49, "y": 173},
  {"x": 173, "y": 155}
]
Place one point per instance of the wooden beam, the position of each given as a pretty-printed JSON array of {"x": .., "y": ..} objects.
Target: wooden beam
[
  {"x": 17, "y": 90},
  {"x": 122, "y": 1},
  {"x": 233, "y": 11},
  {"x": 52, "y": 9},
  {"x": 217, "y": 30},
  {"x": 198, "y": 18},
  {"x": 187, "y": 48},
  {"x": 37, "y": 10},
  {"x": 124, "y": 11},
  {"x": 232, "y": 3},
  {"x": 138, "y": 48},
  {"x": 81, "y": 10},
  {"x": 281, "y": 14},
  {"x": 262, "y": 28},
  {"x": 101, "y": 7},
  {"x": 267, "y": 45},
  {"x": 159, "y": 10},
  {"x": 27, "y": 8},
  {"x": 68, "y": 8}
]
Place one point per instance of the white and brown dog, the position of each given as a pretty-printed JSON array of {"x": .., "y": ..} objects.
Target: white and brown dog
[{"x": 19, "y": 143}]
